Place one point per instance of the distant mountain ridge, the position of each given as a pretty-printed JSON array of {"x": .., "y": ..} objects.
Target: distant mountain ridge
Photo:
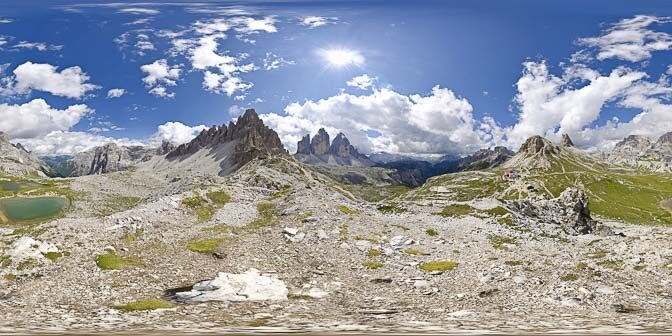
[
  {"x": 641, "y": 152},
  {"x": 104, "y": 159}
]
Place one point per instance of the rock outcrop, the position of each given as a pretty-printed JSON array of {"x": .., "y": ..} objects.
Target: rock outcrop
[
  {"x": 234, "y": 145},
  {"x": 568, "y": 212},
  {"x": 17, "y": 161},
  {"x": 104, "y": 159},
  {"x": 320, "y": 150},
  {"x": 248, "y": 286},
  {"x": 565, "y": 141}
]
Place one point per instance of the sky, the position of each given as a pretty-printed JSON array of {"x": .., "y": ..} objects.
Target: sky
[{"x": 409, "y": 77}]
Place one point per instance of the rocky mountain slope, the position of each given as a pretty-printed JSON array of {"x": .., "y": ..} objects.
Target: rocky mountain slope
[
  {"x": 16, "y": 160},
  {"x": 104, "y": 159},
  {"x": 221, "y": 150},
  {"x": 641, "y": 152},
  {"x": 320, "y": 150}
]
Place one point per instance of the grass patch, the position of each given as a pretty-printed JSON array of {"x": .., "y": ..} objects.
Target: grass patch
[
  {"x": 415, "y": 252},
  {"x": 456, "y": 210},
  {"x": 391, "y": 209},
  {"x": 116, "y": 204},
  {"x": 194, "y": 202},
  {"x": 615, "y": 265},
  {"x": 431, "y": 232},
  {"x": 443, "y": 265},
  {"x": 373, "y": 253},
  {"x": 53, "y": 256},
  {"x": 142, "y": 305},
  {"x": 266, "y": 216},
  {"x": 204, "y": 213},
  {"x": 111, "y": 261},
  {"x": 205, "y": 245},
  {"x": 499, "y": 242},
  {"x": 498, "y": 211},
  {"x": 344, "y": 209},
  {"x": 10, "y": 277},
  {"x": 597, "y": 254},
  {"x": 28, "y": 265},
  {"x": 283, "y": 192},
  {"x": 219, "y": 198},
  {"x": 372, "y": 264}
]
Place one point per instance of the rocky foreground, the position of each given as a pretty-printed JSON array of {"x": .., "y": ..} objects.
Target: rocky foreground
[{"x": 278, "y": 247}]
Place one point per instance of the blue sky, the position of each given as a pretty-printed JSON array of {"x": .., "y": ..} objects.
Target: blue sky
[{"x": 412, "y": 77}]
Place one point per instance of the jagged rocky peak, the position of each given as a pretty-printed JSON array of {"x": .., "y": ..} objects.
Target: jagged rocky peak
[
  {"x": 665, "y": 138},
  {"x": 4, "y": 137},
  {"x": 566, "y": 141},
  {"x": 538, "y": 145},
  {"x": 165, "y": 148},
  {"x": 634, "y": 141},
  {"x": 323, "y": 151},
  {"x": 16, "y": 160},
  {"x": 320, "y": 144},
  {"x": 249, "y": 137}
]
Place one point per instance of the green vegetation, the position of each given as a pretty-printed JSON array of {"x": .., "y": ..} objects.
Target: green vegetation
[
  {"x": 141, "y": 305},
  {"x": 597, "y": 254},
  {"x": 53, "y": 256},
  {"x": 431, "y": 232},
  {"x": 28, "y": 264},
  {"x": 343, "y": 231},
  {"x": 209, "y": 245},
  {"x": 286, "y": 190},
  {"x": 415, "y": 252},
  {"x": 114, "y": 204},
  {"x": 373, "y": 193},
  {"x": 344, "y": 209},
  {"x": 111, "y": 261},
  {"x": 204, "y": 213},
  {"x": 615, "y": 265},
  {"x": 372, "y": 264},
  {"x": 10, "y": 277},
  {"x": 373, "y": 253},
  {"x": 266, "y": 216},
  {"x": 497, "y": 211},
  {"x": 218, "y": 197},
  {"x": 444, "y": 265},
  {"x": 194, "y": 202},
  {"x": 391, "y": 209},
  {"x": 500, "y": 242},
  {"x": 456, "y": 210}
]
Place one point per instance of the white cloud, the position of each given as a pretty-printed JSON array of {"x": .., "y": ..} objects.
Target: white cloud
[
  {"x": 41, "y": 46},
  {"x": 176, "y": 133},
  {"x": 551, "y": 105},
  {"x": 363, "y": 82},
  {"x": 159, "y": 73},
  {"x": 669, "y": 70},
  {"x": 628, "y": 40},
  {"x": 236, "y": 111},
  {"x": 115, "y": 93},
  {"x": 317, "y": 21},
  {"x": 3, "y": 40},
  {"x": 36, "y": 118},
  {"x": 139, "y": 11},
  {"x": 5, "y": 21},
  {"x": 273, "y": 61},
  {"x": 248, "y": 25},
  {"x": 69, "y": 143},
  {"x": 70, "y": 82},
  {"x": 439, "y": 122},
  {"x": 139, "y": 21}
]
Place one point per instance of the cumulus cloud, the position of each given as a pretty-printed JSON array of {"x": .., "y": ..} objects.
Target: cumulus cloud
[
  {"x": 249, "y": 25},
  {"x": 70, "y": 82},
  {"x": 36, "y": 118},
  {"x": 69, "y": 143},
  {"x": 5, "y": 21},
  {"x": 363, "y": 82},
  {"x": 317, "y": 21},
  {"x": 116, "y": 93},
  {"x": 176, "y": 133},
  {"x": 159, "y": 73},
  {"x": 440, "y": 122},
  {"x": 629, "y": 40}
]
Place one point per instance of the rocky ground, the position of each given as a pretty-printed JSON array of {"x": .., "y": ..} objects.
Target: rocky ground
[{"x": 347, "y": 265}]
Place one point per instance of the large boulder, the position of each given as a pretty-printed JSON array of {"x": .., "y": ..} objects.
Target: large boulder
[
  {"x": 248, "y": 286},
  {"x": 568, "y": 212}
]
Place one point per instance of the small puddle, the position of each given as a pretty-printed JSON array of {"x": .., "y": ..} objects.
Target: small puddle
[{"x": 21, "y": 210}]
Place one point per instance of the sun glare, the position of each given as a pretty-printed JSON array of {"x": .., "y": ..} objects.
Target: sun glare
[{"x": 339, "y": 58}]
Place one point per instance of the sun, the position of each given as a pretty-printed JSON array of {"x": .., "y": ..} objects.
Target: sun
[{"x": 341, "y": 57}]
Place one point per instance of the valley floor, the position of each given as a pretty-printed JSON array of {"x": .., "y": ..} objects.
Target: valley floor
[{"x": 349, "y": 265}]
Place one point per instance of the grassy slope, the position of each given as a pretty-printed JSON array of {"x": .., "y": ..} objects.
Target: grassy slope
[{"x": 630, "y": 195}]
